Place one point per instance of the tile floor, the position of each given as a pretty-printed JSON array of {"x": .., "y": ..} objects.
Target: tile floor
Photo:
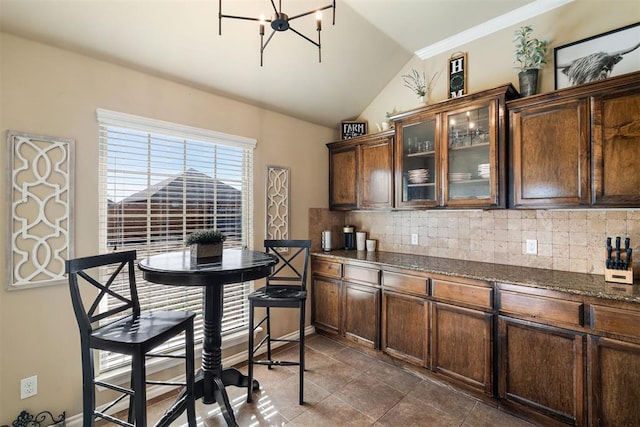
[{"x": 345, "y": 387}]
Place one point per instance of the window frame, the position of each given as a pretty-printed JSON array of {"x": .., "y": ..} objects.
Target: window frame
[{"x": 188, "y": 134}]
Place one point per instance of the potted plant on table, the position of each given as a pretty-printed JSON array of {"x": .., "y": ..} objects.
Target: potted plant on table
[
  {"x": 205, "y": 245},
  {"x": 530, "y": 54}
]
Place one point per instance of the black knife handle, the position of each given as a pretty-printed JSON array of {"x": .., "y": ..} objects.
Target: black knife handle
[
  {"x": 626, "y": 242},
  {"x": 618, "y": 242}
]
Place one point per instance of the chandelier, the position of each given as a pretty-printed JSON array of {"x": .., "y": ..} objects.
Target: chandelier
[{"x": 281, "y": 22}]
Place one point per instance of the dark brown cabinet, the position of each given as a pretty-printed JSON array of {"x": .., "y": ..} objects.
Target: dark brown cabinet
[
  {"x": 555, "y": 357},
  {"x": 453, "y": 153},
  {"x": 578, "y": 146},
  {"x": 361, "y": 305},
  {"x": 343, "y": 177},
  {"x": 376, "y": 173},
  {"x": 361, "y": 172},
  {"x": 405, "y": 316},
  {"x": 616, "y": 147},
  {"x": 346, "y": 301},
  {"x": 550, "y": 154},
  {"x": 614, "y": 382},
  {"x": 462, "y": 334},
  {"x": 326, "y": 291},
  {"x": 613, "y": 358},
  {"x": 405, "y": 326},
  {"x": 542, "y": 368}
]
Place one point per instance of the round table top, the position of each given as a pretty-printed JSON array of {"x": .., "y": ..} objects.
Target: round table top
[{"x": 235, "y": 266}]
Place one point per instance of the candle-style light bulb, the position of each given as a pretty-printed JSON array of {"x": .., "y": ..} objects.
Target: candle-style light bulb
[
  {"x": 262, "y": 25},
  {"x": 471, "y": 125},
  {"x": 319, "y": 20}
]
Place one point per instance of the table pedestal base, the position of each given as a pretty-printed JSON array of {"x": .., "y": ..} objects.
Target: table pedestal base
[{"x": 211, "y": 389}]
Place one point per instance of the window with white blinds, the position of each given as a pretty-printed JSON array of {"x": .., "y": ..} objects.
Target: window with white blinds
[{"x": 160, "y": 181}]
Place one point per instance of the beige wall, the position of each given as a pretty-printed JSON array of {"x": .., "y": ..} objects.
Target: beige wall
[{"x": 44, "y": 90}]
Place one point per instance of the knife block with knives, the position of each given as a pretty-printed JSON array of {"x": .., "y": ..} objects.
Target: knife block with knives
[{"x": 618, "y": 264}]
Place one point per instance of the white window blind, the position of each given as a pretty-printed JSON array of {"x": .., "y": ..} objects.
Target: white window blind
[{"x": 160, "y": 181}]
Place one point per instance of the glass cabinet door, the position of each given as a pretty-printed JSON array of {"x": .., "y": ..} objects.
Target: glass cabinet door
[
  {"x": 417, "y": 164},
  {"x": 469, "y": 164}
]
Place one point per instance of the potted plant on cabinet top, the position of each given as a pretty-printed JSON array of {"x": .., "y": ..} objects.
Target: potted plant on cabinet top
[
  {"x": 418, "y": 84},
  {"x": 205, "y": 245},
  {"x": 530, "y": 54}
]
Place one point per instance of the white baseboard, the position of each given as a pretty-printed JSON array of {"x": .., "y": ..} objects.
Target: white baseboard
[{"x": 155, "y": 391}]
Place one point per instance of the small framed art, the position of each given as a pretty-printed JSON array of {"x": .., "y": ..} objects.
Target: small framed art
[{"x": 351, "y": 129}]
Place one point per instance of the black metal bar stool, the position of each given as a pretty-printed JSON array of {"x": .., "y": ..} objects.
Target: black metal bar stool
[
  {"x": 135, "y": 334},
  {"x": 285, "y": 287}
]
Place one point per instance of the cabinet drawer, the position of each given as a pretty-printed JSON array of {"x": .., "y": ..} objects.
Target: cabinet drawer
[
  {"x": 405, "y": 283},
  {"x": 362, "y": 274},
  {"x": 541, "y": 308},
  {"x": 615, "y": 321},
  {"x": 326, "y": 268},
  {"x": 463, "y": 293}
]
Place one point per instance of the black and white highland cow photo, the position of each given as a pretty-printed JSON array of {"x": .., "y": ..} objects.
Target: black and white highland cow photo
[{"x": 610, "y": 54}]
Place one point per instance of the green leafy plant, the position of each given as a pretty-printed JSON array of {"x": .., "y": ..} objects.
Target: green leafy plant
[
  {"x": 205, "y": 237},
  {"x": 530, "y": 52}
]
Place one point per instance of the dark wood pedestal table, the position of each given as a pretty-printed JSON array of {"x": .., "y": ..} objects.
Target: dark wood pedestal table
[{"x": 236, "y": 266}]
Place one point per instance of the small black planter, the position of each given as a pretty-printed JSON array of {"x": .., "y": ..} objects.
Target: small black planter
[{"x": 528, "y": 81}]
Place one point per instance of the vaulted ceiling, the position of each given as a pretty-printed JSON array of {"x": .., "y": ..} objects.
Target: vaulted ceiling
[{"x": 370, "y": 43}]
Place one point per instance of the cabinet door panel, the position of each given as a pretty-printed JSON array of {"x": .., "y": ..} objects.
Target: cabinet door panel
[
  {"x": 361, "y": 314},
  {"x": 616, "y": 146},
  {"x": 461, "y": 345},
  {"x": 343, "y": 179},
  {"x": 550, "y": 154},
  {"x": 405, "y": 326},
  {"x": 326, "y": 304},
  {"x": 376, "y": 165},
  {"x": 614, "y": 383},
  {"x": 542, "y": 368}
]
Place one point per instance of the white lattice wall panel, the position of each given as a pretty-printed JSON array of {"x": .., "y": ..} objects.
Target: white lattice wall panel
[
  {"x": 277, "y": 203},
  {"x": 40, "y": 196}
]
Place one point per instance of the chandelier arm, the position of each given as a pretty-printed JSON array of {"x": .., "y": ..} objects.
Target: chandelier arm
[
  {"x": 264, "y": 45},
  {"x": 246, "y": 18},
  {"x": 312, "y": 12},
  {"x": 275, "y": 9},
  {"x": 304, "y": 37}
]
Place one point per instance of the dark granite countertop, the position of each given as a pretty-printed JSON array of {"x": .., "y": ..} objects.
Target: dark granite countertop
[{"x": 564, "y": 281}]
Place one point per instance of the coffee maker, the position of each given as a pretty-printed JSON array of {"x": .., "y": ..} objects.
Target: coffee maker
[{"x": 349, "y": 237}]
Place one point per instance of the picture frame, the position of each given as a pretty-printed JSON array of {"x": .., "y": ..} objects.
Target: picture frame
[
  {"x": 351, "y": 129},
  {"x": 598, "y": 57},
  {"x": 457, "y": 75}
]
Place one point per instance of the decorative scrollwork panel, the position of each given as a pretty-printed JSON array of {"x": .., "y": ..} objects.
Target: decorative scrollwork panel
[
  {"x": 277, "y": 202},
  {"x": 40, "y": 194}
]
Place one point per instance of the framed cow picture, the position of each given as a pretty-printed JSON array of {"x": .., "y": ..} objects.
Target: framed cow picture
[{"x": 598, "y": 57}]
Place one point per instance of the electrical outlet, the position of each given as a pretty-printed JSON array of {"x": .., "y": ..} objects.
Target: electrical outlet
[
  {"x": 414, "y": 239},
  {"x": 28, "y": 387},
  {"x": 532, "y": 246}
]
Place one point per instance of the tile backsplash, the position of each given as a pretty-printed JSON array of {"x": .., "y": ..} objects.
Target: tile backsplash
[{"x": 569, "y": 240}]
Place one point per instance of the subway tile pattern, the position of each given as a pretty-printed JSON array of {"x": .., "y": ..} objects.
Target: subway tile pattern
[{"x": 568, "y": 240}]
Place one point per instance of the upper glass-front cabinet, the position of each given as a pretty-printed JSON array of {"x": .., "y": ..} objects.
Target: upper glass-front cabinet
[
  {"x": 453, "y": 153},
  {"x": 469, "y": 162},
  {"x": 418, "y": 163}
]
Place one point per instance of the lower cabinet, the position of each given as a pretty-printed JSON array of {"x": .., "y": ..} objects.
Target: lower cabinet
[
  {"x": 361, "y": 314},
  {"x": 551, "y": 356},
  {"x": 542, "y": 368},
  {"x": 614, "y": 382},
  {"x": 405, "y": 327},
  {"x": 461, "y": 345},
  {"x": 325, "y": 297}
]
